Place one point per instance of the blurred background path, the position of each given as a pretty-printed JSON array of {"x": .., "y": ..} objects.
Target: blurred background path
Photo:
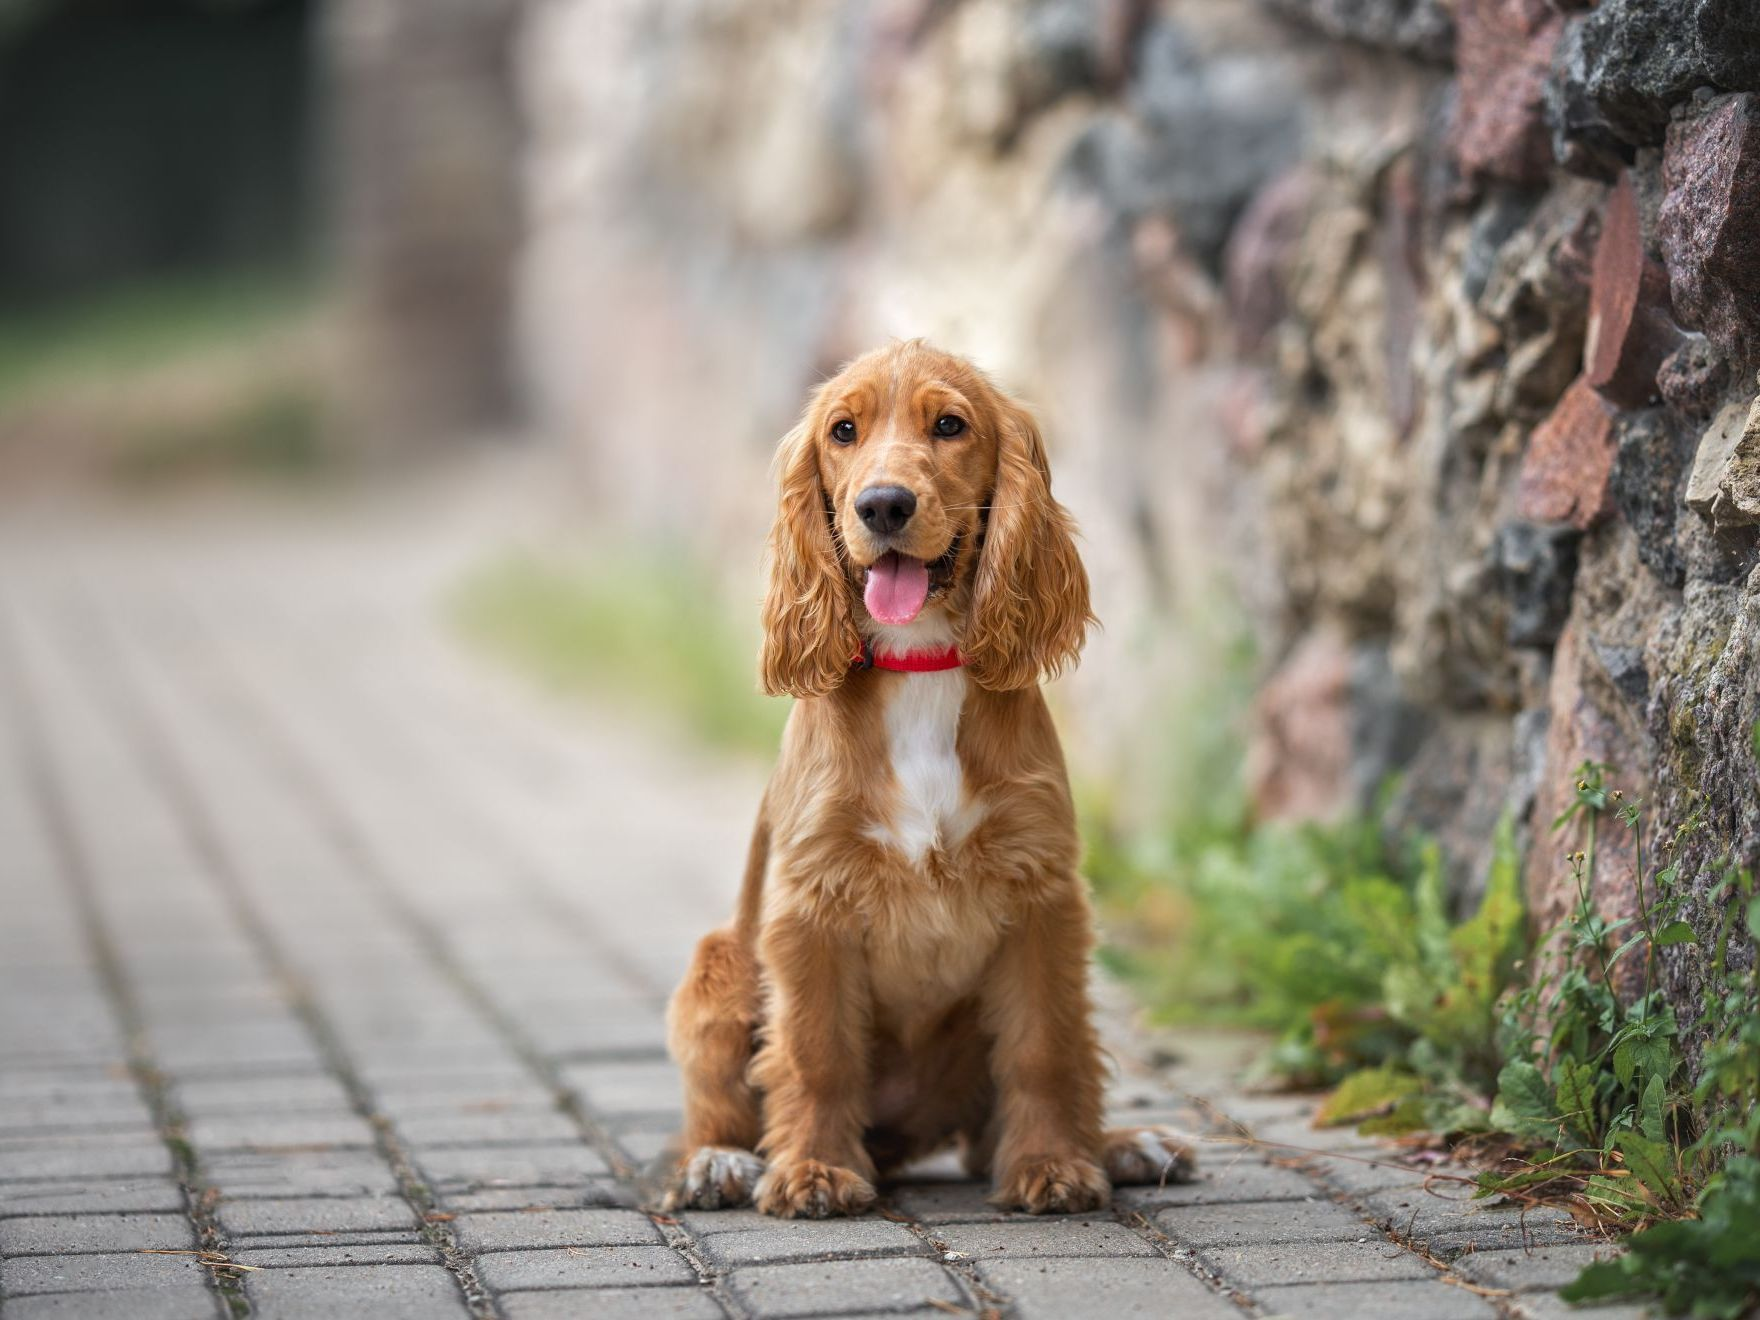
[{"x": 333, "y": 966}]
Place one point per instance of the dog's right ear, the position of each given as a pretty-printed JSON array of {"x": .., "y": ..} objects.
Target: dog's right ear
[{"x": 810, "y": 633}]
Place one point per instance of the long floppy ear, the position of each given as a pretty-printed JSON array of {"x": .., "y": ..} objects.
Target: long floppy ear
[
  {"x": 1030, "y": 611},
  {"x": 810, "y": 631}
]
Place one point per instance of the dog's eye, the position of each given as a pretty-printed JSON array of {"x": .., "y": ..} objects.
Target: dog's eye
[
  {"x": 844, "y": 432},
  {"x": 948, "y": 425}
]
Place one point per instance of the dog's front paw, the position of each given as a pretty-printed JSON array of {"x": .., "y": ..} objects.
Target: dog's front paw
[
  {"x": 1049, "y": 1186},
  {"x": 1153, "y": 1156},
  {"x": 715, "y": 1178},
  {"x": 809, "y": 1189}
]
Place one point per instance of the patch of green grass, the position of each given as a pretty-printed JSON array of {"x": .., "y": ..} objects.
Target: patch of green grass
[
  {"x": 140, "y": 327},
  {"x": 654, "y": 631}
]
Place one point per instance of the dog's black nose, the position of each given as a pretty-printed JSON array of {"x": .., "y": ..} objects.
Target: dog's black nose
[{"x": 885, "y": 509}]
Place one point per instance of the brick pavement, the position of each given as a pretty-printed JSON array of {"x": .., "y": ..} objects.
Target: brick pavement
[{"x": 331, "y": 978}]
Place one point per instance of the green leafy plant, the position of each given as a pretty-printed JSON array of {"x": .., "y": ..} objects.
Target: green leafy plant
[
  {"x": 1340, "y": 943},
  {"x": 1595, "y": 1083}
]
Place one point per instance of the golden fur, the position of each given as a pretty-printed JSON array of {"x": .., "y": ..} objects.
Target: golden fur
[{"x": 908, "y": 964}]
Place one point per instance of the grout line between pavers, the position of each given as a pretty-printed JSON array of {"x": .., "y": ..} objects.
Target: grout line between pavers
[
  {"x": 996, "y": 1303},
  {"x": 351, "y": 842},
  {"x": 155, "y": 754},
  {"x": 75, "y": 864}
]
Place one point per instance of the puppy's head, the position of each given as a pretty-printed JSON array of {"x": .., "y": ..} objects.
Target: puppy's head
[{"x": 916, "y": 504}]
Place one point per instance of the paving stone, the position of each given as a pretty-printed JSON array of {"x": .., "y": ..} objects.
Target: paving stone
[
  {"x": 519, "y": 1230},
  {"x": 312, "y": 1213},
  {"x": 645, "y": 1146},
  {"x": 1315, "y": 1262},
  {"x": 947, "y": 1203},
  {"x": 328, "y": 1238},
  {"x": 843, "y": 1287},
  {"x": 594, "y": 1193},
  {"x": 1219, "y": 1184},
  {"x": 1450, "y": 1225},
  {"x": 515, "y": 1126},
  {"x": 1539, "y": 1267},
  {"x": 701, "y": 1223},
  {"x": 1060, "y": 1288},
  {"x": 60, "y": 1198},
  {"x": 1393, "y": 1299},
  {"x": 276, "y": 1131},
  {"x": 385, "y": 1292},
  {"x": 1361, "y": 1176},
  {"x": 627, "y": 1088},
  {"x": 511, "y": 1166},
  {"x": 257, "y": 1095},
  {"x": 584, "y": 1267},
  {"x": 83, "y": 1158},
  {"x": 1045, "y": 1235},
  {"x": 1549, "y": 1306},
  {"x": 34, "y": 1117},
  {"x": 809, "y": 1239},
  {"x": 22, "y": 1275},
  {"x": 179, "y": 1301},
  {"x": 68, "y": 1086},
  {"x": 622, "y": 1038},
  {"x": 242, "y": 1175},
  {"x": 69, "y": 1234},
  {"x": 337, "y": 1253},
  {"x": 681, "y": 1303},
  {"x": 1254, "y": 1222}
]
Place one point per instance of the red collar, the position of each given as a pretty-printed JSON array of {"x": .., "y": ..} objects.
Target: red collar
[{"x": 910, "y": 662}]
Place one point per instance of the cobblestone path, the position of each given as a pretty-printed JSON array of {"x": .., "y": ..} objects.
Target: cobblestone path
[{"x": 332, "y": 970}]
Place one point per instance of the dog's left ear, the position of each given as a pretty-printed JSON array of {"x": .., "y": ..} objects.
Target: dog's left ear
[
  {"x": 810, "y": 631},
  {"x": 1030, "y": 611}
]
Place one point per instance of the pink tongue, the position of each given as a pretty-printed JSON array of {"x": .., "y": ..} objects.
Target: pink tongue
[{"x": 897, "y": 587}]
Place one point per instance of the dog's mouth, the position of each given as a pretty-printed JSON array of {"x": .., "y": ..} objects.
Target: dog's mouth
[{"x": 898, "y": 586}]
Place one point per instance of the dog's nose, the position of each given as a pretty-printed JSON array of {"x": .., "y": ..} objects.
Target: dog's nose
[{"x": 885, "y": 509}]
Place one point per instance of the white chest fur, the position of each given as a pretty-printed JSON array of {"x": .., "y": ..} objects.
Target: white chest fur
[{"x": 928, "y": 807}]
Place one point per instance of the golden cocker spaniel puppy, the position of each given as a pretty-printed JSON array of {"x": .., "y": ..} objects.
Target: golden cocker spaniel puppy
[{"x": 908, "y": 964}]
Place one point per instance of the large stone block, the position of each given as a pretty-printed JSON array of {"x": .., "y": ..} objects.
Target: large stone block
[
  {"x": 1204, "y": 135},
  {"x": 1503, "y": 51},
  {"x": 1725, "y": 482},
  {"x": 1630, "y": 331},
  {"x": 1536, "y": 566},
  {"x": 1709, "y": 224},
  {"x": 1652, "y": 453},
  {"x": 1568, "y": 461},
  {"x": 1621, "y": 67},
  {"x": 1694, "y": 378}
]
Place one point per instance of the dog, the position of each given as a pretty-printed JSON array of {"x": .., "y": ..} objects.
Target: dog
[{"x": 908, "y": 964}]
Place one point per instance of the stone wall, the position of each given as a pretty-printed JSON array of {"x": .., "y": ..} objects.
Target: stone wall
[{"x": 1422, "y": 335}]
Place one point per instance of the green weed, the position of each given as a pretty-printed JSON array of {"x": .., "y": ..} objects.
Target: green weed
[
  {"x": 1595, "y": 1086},
  {"x": 654, "y": 631},
  {"x": 1336, "y": 941}
]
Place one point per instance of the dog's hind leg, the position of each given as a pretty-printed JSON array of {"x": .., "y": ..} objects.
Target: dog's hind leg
[
  {"x": 1152, "y": 1156},
  {"x": 710, "y": 1026}
]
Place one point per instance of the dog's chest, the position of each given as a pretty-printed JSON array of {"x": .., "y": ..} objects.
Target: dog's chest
[{"x": 928, "y": 808}]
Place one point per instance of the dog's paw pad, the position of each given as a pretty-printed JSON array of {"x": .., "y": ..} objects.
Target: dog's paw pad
[
  {"x": 715, "y": 1178},
  {"x": 1054, "y": 1187},
  {"x": 809, "y": 1189},
  {"x": 1149, "y": 1156}
]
